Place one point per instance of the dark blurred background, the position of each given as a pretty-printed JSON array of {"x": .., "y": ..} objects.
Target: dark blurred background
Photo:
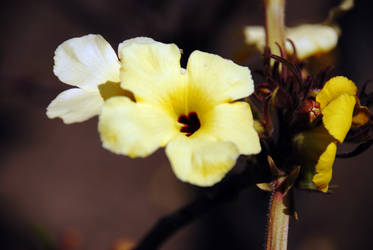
[{"x": 60, "y": 189}]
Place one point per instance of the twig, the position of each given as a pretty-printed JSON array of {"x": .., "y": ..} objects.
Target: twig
[{"x": 225, "y": 191}]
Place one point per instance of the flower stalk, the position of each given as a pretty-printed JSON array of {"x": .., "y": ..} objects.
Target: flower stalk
[
  {"x": 275, "y": 25},
  {"x": 278, "y": 220}
]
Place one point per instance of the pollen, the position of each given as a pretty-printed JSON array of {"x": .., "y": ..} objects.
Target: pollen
[{"x": 190, "y": 123}]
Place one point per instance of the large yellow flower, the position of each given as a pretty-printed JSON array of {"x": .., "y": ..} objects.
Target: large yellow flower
[
  {"x": 191, "y": 112},
  {"x": 337, "y": 100},
  {"x": 84, "y": 62}
]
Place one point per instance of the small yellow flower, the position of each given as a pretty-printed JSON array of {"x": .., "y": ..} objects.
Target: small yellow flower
[
  {"x": 309, "y": 39},
  {"x": 84, "y": 62},
  {"x": 191, "y": 112},
  {"x": 337, "y": 100}
]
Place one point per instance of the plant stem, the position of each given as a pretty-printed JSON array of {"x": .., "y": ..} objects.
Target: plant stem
[
  {"x": 223, "y": 192},
  {"x": 278, "y": 221},
  {"x": 275, "y": 25}
]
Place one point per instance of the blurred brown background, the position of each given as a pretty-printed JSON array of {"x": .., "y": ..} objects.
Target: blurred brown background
[{"x": 59, "y": 187}]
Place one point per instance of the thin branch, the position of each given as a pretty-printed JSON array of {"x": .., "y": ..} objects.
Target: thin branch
[
  {"x": 223, "y": 192},
  {"x": 358, "y": 150}
]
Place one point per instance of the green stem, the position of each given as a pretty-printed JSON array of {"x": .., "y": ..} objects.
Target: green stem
[
  {"x": 275, "y": 24},
  {"x": 278, "y": 222}
]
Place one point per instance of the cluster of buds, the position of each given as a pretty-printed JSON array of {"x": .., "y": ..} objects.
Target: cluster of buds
[{"x": 302, "y": 118}]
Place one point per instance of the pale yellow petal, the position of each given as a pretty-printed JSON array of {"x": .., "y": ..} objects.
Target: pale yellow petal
[
  {"x": 221, "y": 78},
  {"x": 75, "y": 105},
  {"x": 311, "y": 39},
  {"x": 136, "y": 40},
  {"x": 134, "y": 129},
  {"x": 86, "y": 62},
  {"x": 324, "y": 168},
  {"x": 150, "y": 69},
  {"x": 201, "y": 160},
  {"x": 255, "y": 35},
  {"x": 337, "y": 116},
  {"x": 335, "y": 87},
  {"x": 233, "y": 122}
]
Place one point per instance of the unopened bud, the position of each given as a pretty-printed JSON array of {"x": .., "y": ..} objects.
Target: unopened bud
[{"x": 312, "y": 109}]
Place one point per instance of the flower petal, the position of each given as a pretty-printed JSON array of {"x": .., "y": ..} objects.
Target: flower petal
[
  {"x": 201, "y": 160},
  {"x": 75, "y": 105},
  {"x": 337, "y": 116},
  {"x": 225, "y": 80},
  {"x": 335, "y": 87},
  {"x": 310, "y": 146},
  {"x": 324, "y": 167},
  {"x": 134, "y": 129},
  {"x": 233, "y": 122},
  {"x": 86, "y": 62},
  {"x": 311, "y": 39},
  {"x": 255, "y": 35},
  {"x": 150, "y": 68}
]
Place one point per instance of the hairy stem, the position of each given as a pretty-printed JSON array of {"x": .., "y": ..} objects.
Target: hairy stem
[{"x": 278, "y": 222}]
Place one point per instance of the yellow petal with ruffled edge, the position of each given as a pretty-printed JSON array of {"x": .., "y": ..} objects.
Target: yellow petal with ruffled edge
[
  {"x": 201, "y": 160},
  {"x": 335, "y": 87},
  {"x": 134, "y": 129},
  {"x": 337, "y": 116},
  {"x": 324, "y": 166},
  {"x": 234, "y": 122},
  {"x": 86, "y": 62},
  {"x": 225, "y": 79}
]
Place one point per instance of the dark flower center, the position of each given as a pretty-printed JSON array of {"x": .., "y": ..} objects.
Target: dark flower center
[{"x": 190, "y": 123}]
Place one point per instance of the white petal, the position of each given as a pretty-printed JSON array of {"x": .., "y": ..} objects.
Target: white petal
[
  {"x": 311, "y": 39},
  {"x": 201, "y": 160},
  {"x": 134, "y": 129},
  {"x": 255, "y": 35},
  {"x": 86, "y": 62},
  {"x": 75, "y": 105}
]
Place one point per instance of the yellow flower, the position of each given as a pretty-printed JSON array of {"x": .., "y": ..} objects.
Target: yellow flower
[
  {"x": 337, "y": 101},
  {"x": 190, "y": 112},
  {"x": 309, "y": 39},
  {"x": 85, "y": 63}
]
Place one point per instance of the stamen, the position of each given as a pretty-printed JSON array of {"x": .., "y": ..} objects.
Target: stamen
[{"x": 190, "y": 123}]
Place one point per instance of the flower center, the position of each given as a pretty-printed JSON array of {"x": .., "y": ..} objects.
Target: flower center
[{"x": 190, "y": 123}]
